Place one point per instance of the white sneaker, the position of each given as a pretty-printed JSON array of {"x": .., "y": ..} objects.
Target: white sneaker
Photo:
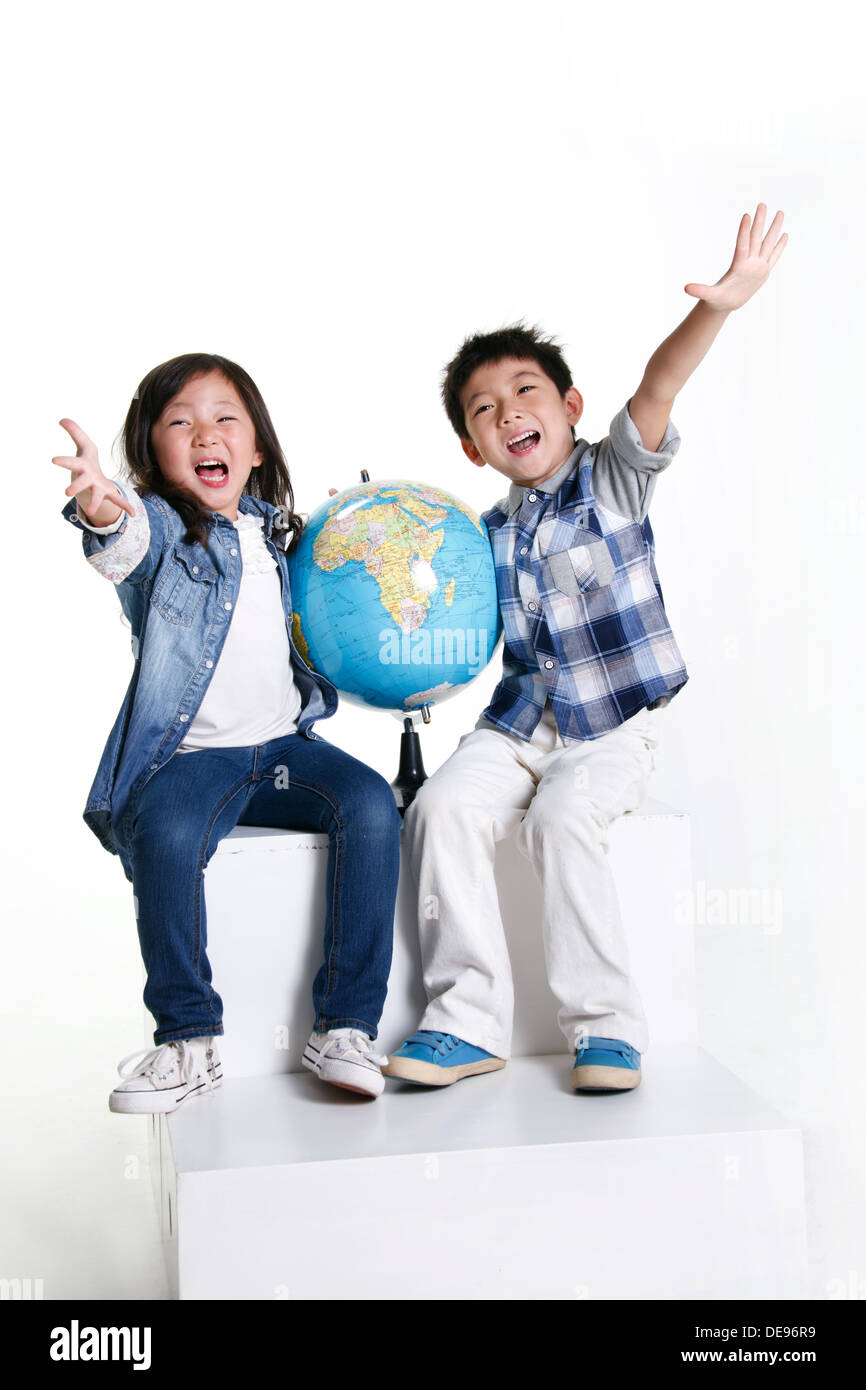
[
  {"x": 345, "y": 1057},
  {"x": 162, "y": 1078}
]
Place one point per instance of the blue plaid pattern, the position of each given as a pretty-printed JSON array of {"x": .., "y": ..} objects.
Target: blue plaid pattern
[{"x": 581, "y": 603}]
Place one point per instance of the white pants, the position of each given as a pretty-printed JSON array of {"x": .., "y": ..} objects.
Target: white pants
[{"x": 560, "y": 798}]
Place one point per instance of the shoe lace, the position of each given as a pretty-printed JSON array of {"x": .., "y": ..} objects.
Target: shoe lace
[
  {"x": 161, "y": 1061},
  {"x": 352, "y": 1041},
  {"x": 440, "y": 1042},
  {"x": 606, "y": 1045}
]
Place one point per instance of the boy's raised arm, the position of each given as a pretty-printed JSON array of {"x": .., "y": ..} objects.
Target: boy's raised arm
[{"x": 673, "y": 362}]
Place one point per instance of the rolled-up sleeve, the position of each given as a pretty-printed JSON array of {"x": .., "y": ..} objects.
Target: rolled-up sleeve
[
  {"x": 128, "y": 548},
  {"x": 624, "y": 472}
]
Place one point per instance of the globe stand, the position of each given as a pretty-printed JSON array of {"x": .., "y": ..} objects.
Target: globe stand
[{"x": 410, "y": 774}]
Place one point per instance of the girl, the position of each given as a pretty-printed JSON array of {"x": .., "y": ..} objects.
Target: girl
[{"x": 220, "y": 707}]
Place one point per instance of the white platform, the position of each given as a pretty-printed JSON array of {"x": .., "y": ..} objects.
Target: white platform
[
  {"x": 265, "y": 892},
  {"x": 503, "y": 1186}
]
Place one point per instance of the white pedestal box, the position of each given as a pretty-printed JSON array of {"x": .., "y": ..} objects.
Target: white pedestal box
[
  {"x": 265, "y": 894},
  {"x": 505, "y": 1186}
]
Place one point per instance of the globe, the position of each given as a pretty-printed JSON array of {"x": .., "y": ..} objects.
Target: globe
[{"x": 394, "y": 593}]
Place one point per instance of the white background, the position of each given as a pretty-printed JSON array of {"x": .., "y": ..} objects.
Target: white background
[{"x": 335, "y": 196}]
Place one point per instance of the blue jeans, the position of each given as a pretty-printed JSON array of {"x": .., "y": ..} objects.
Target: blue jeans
[{"x": 192, "y": 802}]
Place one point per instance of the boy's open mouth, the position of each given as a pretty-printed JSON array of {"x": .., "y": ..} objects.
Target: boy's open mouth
[
  {"x": 212, "y": 472},
  {"x": 522, "y": 443}
]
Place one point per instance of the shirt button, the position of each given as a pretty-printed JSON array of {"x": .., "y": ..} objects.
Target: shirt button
[
  {"x": 195, "y": 569},
  {"x": 548, "y": 665},
  {"x": 532, "y": 497},
  {"x": 532, "y": 607},
  {"x": 234, "y": 550},
  {"x": 209, "y": 665},
  {"x": 184, "y": 719},
  {"x": 227, "y": 606},
  {"x": 524, "y": 549}
]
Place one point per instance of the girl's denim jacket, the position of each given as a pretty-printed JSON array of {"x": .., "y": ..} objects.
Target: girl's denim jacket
[{"x": 179, "y": 601}]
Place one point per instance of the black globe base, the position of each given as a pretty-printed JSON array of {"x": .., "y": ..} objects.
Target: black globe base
[{"x": 410, "y": 774}]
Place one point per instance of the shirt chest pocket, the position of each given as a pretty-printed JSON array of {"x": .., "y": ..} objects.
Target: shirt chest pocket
[
  {"x": 182, "y": 585},
  {"x": 581, "y": 568}
]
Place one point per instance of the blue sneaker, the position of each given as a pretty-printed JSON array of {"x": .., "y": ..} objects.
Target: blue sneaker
[
  {"x": 605, "y": 1064},
  {"x": 439, "y": 1059}
]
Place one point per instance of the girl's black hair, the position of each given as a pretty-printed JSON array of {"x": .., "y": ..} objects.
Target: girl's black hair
[{"x": 270, "y": 481}]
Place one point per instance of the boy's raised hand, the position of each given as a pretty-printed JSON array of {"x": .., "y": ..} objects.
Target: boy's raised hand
[
  {"x": 97, "y": 496},
  {"x": 754, "y": 258}
]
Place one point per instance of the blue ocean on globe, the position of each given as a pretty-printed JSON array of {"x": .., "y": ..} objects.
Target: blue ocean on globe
[{"x": 394, "y": 592}]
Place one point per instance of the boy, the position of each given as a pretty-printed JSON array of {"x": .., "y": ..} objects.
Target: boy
[{"x": 566, "y": 743}]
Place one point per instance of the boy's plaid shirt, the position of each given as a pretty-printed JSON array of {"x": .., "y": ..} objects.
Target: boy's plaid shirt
[{"x": 585, "y": 625}]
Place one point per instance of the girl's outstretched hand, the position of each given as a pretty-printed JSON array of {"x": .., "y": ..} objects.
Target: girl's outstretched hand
[
  {"x": 89, "y": 483},
  {"x": 754, "y": 258}
]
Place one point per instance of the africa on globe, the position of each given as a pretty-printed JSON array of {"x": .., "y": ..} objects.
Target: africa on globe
[{"x": 394, "y": 592}]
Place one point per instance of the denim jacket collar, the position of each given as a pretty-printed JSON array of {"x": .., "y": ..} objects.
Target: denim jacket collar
[
  {"x": 252, "y": 506},
  {"x": 274, "y": 526}
]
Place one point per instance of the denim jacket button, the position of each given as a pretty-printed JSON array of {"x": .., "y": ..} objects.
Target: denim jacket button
[
  {"x": 234, "y": 550},
  {"x": 227, "y": 606},
  {"x": 184, "y": 719},
  {"x": 209, "y": 665}
]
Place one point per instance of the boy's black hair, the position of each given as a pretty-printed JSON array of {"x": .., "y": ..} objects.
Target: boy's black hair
[
  {"x": 270, "y": 481},
  {"x": 516, "y": 340}
]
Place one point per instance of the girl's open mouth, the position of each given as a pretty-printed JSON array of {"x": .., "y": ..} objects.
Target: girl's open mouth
[
  {"x": 522, "y": 443},
  {"x": 213, "y": 473}
]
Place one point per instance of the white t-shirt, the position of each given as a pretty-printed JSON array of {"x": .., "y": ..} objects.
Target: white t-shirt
[{"x": 252, "y": 696}]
